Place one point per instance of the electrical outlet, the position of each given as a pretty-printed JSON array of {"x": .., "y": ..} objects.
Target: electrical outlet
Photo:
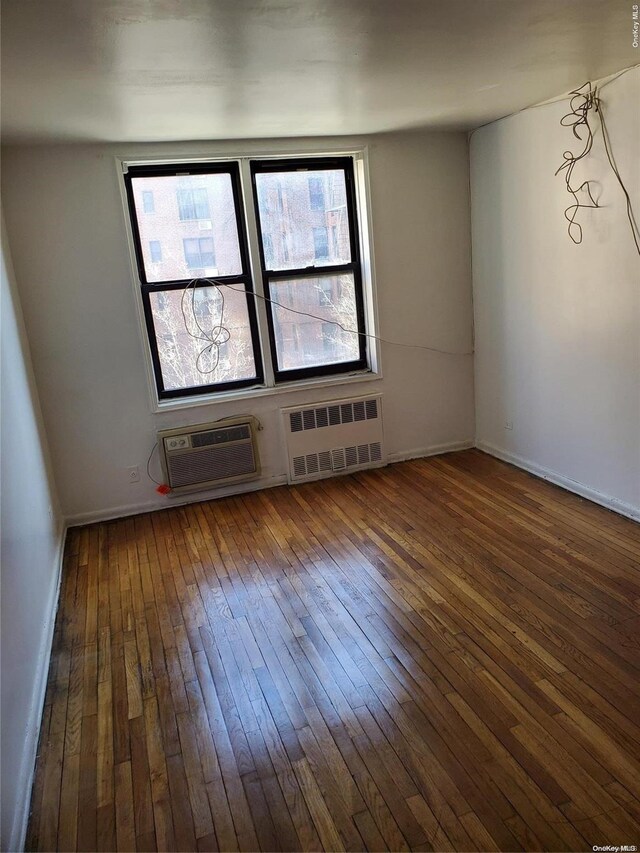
[
  {"x": 508, "y": 424},
  {"x": 134, "y": 474}
]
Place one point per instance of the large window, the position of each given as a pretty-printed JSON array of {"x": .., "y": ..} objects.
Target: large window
[
  {"x": 205, "y": 338},
  {"x": 204, "y": 323},
  {"x": 313, "y": 283}
]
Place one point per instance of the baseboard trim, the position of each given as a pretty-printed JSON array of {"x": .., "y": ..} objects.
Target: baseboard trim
[
  {"x": 430, "y": 450},
  {"x": 112, "y": 513},
  {"x": 622, "y": 508},
  {"x": 168, "y": 502},
  {"x": 32, "y": 736}
]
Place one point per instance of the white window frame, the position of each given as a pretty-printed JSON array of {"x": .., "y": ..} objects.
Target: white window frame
[{"x": 365, "y": 236}]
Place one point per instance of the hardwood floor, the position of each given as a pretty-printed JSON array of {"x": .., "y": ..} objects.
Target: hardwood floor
[{"x": 438, "y": 655}]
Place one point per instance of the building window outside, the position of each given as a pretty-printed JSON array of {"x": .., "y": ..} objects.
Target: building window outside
[
  {"x": 148, "y": 202},
  {"x": 328, "y": 333},
  {"x": 193, "y": 204},
  {"x": 321, "y": 243},
  {"x": 155, "y": 251},
  {"x": 316, "y": 193},
  {"x": 199, "y": 253},
  {"x": 325, "y": 292}
]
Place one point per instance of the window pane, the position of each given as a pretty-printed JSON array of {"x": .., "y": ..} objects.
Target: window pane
[
  {"x": 295, "y": 207},
  {"x": 198, "y": 209},
  {"x": 179, "y": 351},
  {"x": 313, "y": 341}
]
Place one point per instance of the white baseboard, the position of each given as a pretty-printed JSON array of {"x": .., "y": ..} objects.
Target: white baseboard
[
  {"x": 169, "y": 502},
  {"x": 629, "y": 510},
  {"x": 238, "y": 489},
  {"x": 431, "y": 450},
  {"x": 34, "y": 716}
]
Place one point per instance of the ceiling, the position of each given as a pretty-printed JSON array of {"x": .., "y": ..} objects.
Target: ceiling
[{"x": 153, "y": 70}]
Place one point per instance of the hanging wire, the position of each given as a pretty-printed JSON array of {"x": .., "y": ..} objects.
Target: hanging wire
[
  {"x": 219, "y": 285},
  {"x": 582, "y": 101},
  {"x": 633, "y": 224},
  {"x": 149, "y": 475},
  {"x": 214, "y": 338}
]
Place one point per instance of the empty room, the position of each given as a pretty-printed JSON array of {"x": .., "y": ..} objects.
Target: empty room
[{"x": 320, "y": 425}]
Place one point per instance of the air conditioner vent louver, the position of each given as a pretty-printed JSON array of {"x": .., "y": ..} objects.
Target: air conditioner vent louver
[
  {"x": 339, "y": 436},
  {"x": 187, "y": 469},
  {"x": 209, "y": 455}
]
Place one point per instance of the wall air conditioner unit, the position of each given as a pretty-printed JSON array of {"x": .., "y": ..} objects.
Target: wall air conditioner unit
[
  {"x": 209, "y": 455},
  {"x": 343, "y": 435}
]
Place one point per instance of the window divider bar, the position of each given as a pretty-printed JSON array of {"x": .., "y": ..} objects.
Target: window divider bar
[
  {"x": 310, "y": 272},
  {"x": 253, "y": 244}
]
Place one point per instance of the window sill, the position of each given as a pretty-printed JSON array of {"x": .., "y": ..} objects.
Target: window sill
[{"x": 263, "y": 391}]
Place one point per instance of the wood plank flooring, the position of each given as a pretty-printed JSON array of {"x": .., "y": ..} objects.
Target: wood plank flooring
[{"x": 438, "y": 655}]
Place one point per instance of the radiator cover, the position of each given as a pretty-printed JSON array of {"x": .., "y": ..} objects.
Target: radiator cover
[{"x": 324, "y": 439}]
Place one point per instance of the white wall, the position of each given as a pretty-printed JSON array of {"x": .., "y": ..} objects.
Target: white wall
[
  {"x": 66, "y": 225},
  {"x": 30, "y": 551},
  {"x": 557, "y": 325}
]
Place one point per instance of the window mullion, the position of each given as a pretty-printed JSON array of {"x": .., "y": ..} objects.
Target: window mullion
[{"x": 253, "y": 242}]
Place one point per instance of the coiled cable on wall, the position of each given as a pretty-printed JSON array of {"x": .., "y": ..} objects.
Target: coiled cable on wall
[{"x": 581, "y": 101}]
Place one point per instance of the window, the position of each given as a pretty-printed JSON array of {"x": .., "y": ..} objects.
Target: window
[
  {"x": 311, "y": 263},
  {"x": 183, "y": 363},
  {"x": 199, "y": 253},
  {"x": 193, "y": 204},
  {"x": 148, "y": 203},
  {"x": 205, "y": 335},
  {"x": 321, "y": 243},
  {"x": 325, "y": 292},
  {"x": 328, "y": 336},
  {"x": 316, "y": 193},
  {"x": 155, "y": 251}
]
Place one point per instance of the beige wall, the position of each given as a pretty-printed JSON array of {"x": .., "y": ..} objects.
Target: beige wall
[
  {"x": 30, "y": 554},
  {"x": 66, "y": 224},
  {"x": 557, "y": 325}
]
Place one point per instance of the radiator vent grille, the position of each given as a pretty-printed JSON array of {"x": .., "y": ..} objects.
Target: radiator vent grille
[
  {"x": 338, "y": 459},
  {"x": 333, "y": 437},
  {"x": 323, "y": 416}
]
